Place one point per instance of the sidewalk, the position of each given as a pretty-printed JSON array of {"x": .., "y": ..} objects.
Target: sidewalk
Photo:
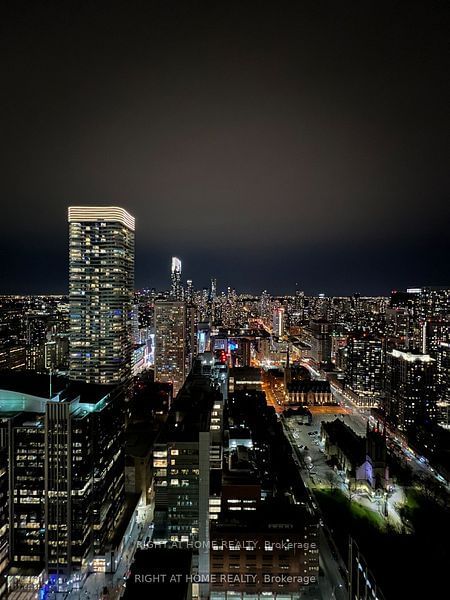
[{"x": 95, "y": 582}]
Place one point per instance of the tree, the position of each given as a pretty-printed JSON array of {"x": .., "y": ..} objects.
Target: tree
[
  {"x": 330, "y": 477},
  {"x": 351, "y": 491}
]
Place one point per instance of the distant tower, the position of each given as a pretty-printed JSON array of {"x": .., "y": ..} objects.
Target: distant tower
[
  {"x": 278, "y": 321},
  {"x": 213, "y": 291},
  {"x": 101, "y": 287},
  {"x": 189, "y": 291},
  {"x": 170, "y": 343},
  {"x": 176, "y": 290}
]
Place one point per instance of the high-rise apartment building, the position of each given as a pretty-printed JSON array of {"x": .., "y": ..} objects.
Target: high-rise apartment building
[
  {"x": 101, "y": 282},
  {"x": 364, "y": 372},
  {"x": 443, "y": 371},
  {"x": 170, "y": 343},
  {"x": 321, "y": 341},
  {"x": 410, "y": 389},
  {"x": 433, "y": 302}
]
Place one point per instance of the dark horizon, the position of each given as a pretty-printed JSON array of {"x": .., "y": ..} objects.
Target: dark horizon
[
  {"x": 265, "y": 146},
  {"x": 56, "y": 264}
]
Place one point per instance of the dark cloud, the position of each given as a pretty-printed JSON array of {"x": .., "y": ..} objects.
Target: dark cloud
[{"x": 302, "y": 142}]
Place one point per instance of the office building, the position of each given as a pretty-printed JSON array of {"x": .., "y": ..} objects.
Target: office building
[
  {"x": 65, "y": 477},
  {"x": 101, "y": 285},
  {"x": 12, "y": 357},
  {"x": 252, "y": 550},
  {"x": 185, "y": 451},
  {"x": 4, "y": 515},
  {"x": 176, "y": 290},
  {"x": 181, "y": 460}
]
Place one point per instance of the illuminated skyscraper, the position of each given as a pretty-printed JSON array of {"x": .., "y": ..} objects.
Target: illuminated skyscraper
[
  {"x": 101, "y": 282},
  {"x": 213, "y": 289},
  {"x": 365, "y": 367},
  {"x": 278, "y": 321},
  {"x": 321, "y": 342},
  {"x": 410, "y": 389},
  {"x": 170, "y": 343},
  {"x": 189, "y": 291},
  {"x": 176, "y": 291}
]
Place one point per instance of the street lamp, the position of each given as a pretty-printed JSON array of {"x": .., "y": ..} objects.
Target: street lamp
[{"x": 333, "y": 591}]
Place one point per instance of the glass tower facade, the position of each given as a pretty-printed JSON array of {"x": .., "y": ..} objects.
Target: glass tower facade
[{"x": 101, "y": 283}]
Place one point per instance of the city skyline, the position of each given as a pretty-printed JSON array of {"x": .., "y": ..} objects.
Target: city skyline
[
  {"x": 224, "y": 300},
  {"x": 162, "y": 268},
  {"x": 305, "y": 145},
  {"x": 130, "y": 421}
]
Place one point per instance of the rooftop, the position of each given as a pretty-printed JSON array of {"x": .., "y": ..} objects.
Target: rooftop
[
  {"x": 343, "y": 436},
  {"x": 191, "y": 410},
  {"x": 305, "y": 386}
]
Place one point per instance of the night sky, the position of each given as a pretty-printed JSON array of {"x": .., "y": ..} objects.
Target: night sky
[{"x": 264, "y": 144}]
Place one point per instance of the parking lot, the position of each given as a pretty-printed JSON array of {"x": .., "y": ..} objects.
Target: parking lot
[{"x": 307, "y": 438}]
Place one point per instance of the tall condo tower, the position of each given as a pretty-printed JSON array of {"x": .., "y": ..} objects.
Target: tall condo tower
[
  {"x": 176, "y": 289},
  {"x": 101, "y": 283},
  {"x": 170, "y": 343}
]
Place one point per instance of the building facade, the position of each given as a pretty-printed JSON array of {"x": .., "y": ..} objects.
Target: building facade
[
  {"x": 170, "y": 343},
  {"x": 364, "y": 372},
  {"x": 101, "y": 286},
  {"x": 410, "y": 389},
  {"x": 65, "y": 480}
]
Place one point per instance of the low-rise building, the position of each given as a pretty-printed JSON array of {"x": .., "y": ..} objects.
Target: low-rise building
[
  {"x": 363, "y": 459},
  {"x": 309, "y": 393}
]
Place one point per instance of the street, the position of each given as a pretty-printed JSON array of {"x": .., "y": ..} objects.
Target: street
[{"x": 332, "y": 586}]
